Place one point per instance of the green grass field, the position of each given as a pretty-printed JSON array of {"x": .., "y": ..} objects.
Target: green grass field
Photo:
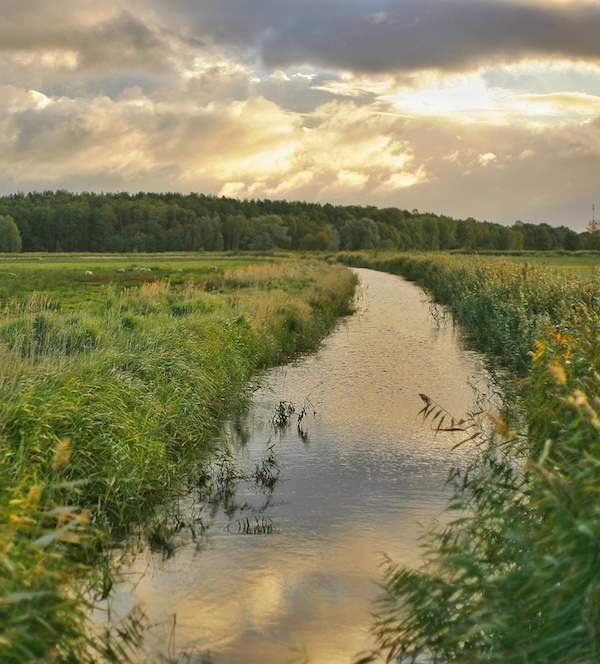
[
  {"x": 112, "y": 388},
  {"x": 63, "y": 276},
  {"x": 587, "y": 264}
]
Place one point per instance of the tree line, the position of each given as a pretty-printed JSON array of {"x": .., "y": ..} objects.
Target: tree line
[{"x": 150, "y": 222}]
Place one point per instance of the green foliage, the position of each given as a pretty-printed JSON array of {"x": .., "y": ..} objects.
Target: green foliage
[
  {"x": 515, "y": 576},
  {"x": 108, "y": 412},
  {"x": 10, "y": 238},
  {"x": 357, "y": 234},
  {"x": 592, "y": 240},
  {"x": 269, "y": 232},
  {"x": 150, "y": 222}
]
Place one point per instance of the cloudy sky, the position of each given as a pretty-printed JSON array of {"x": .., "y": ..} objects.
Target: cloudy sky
[{"x": 483, "y": 108}]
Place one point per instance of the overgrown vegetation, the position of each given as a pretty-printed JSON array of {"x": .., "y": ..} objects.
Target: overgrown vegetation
[
  {"x": 108, "y": 409},
  {"x": 515, "y": 577}
]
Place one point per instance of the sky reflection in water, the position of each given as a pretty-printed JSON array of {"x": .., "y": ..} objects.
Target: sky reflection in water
[{"x": 366, "y": 481}]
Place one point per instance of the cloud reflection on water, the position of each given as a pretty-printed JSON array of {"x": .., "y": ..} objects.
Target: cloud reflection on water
[{"x": 367, "y": 482}]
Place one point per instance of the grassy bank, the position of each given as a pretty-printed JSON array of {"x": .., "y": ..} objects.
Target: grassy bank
[
  {"x": 503, "y": 307},
  {"x": 515, "y": 578},
  {"x": 109, "y": 405}
]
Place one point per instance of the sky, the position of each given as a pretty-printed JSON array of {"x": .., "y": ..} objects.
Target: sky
[{"x": 471, "y": 108}]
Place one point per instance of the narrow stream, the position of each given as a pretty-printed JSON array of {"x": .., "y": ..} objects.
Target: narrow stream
[{"x": 289, "y": 572}]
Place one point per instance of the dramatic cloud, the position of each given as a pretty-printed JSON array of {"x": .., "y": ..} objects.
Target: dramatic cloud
[
  {"x": 388, "y": 35},
  {"x": 484, "y": 108}
]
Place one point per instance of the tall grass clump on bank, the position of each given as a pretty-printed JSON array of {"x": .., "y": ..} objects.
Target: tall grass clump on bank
[
  {"x": 501, "y": 306},
  {"x": 105, "y": 413},
  {"x": 515, "y": 577}
]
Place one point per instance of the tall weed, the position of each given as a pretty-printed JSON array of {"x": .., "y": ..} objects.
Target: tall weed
[{"x": 515, "y": 577}]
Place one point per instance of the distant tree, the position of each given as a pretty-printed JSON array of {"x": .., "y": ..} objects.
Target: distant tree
[
  {"x": 315, "y": 241},
  {"x": 592, "y": 240},
  {"x": 334, "y": 237},
  {"x": 102, "y": 228},
  {"x": 299, "y": 226},
  {"x": 236, "y": 230},
  {"x": 431, "y": 233},
  {"x": 204, "y": 233},
  {"x": 516, "y": 238},
  {"x": 269, "y": 233},
  {"x": 139, "y": 242},
  {"x": 389, "y": 236},
  {"x": 447, "y": 232},
  {"x": 357, "y": 234},
  {"x": 466, "y": 233},
  {"x": 503, "y": 239},
  {"x": 10, "y": 238},
  {"x": 51, "y": 221},
  {"x": 571, "y": 240}
]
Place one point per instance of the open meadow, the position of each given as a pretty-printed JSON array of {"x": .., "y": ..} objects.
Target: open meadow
[
  {"x": 64, "y": 278},
  {"x": 112, "y": 386},
  {"x": 114, "y": 383},
  {"x": 583, "y": 263}
]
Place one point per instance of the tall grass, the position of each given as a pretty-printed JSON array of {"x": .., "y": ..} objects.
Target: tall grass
[
  {"x": 503, "y": 307},
  {"x": 106, "y": 411},
  {"x": 515, "y": 577}
]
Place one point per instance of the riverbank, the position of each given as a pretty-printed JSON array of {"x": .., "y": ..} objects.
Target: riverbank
[
  {"x": 108, "y": 409},
  {"x": 518, "y": 579},
  {"x": 260, "y": 572}
]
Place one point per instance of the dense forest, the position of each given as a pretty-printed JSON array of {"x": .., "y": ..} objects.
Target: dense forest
[{"x": 147, "y": 222}]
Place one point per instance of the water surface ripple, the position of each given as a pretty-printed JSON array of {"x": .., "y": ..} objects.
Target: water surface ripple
[{"x": 365, "y": 480}]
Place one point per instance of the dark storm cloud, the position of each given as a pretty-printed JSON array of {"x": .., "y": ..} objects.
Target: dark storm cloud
[
  {"x": 122, "y": 41},
  {"x": 385, "y": 35},
  {"x": 357, "y": 35}
]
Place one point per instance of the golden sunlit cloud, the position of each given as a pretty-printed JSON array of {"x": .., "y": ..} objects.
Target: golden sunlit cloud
[{"x": 156, "y": 95}]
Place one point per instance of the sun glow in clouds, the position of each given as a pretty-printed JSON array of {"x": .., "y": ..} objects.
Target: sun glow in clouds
[{"x": 145, "y": 95}]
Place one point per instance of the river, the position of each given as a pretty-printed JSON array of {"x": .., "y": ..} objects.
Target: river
[{"x": 287, "y": 571}]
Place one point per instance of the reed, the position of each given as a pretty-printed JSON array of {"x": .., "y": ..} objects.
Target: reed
[
  {"x": 515, "y": 576},
  {"x": 106, "y": 412}
]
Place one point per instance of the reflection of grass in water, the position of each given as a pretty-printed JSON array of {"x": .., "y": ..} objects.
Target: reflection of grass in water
[
  {"x": 107, "y": 409},
  {"x": 283, "y": 414},
  {"x": 256, "y": 526},
  {"x": 174, "y": 524},
  {"x": 286, "y": 410},
  {"x": 215, "y": 488},
  {"x": 122, "y": 640}
]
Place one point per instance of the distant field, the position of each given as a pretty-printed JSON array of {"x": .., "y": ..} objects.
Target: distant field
[
  {"x": 588, "y": 264},
  {"x": 63, "y": 276}
]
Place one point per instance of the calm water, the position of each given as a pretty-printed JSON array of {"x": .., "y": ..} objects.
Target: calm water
[{"x": 362, "y": 481}]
